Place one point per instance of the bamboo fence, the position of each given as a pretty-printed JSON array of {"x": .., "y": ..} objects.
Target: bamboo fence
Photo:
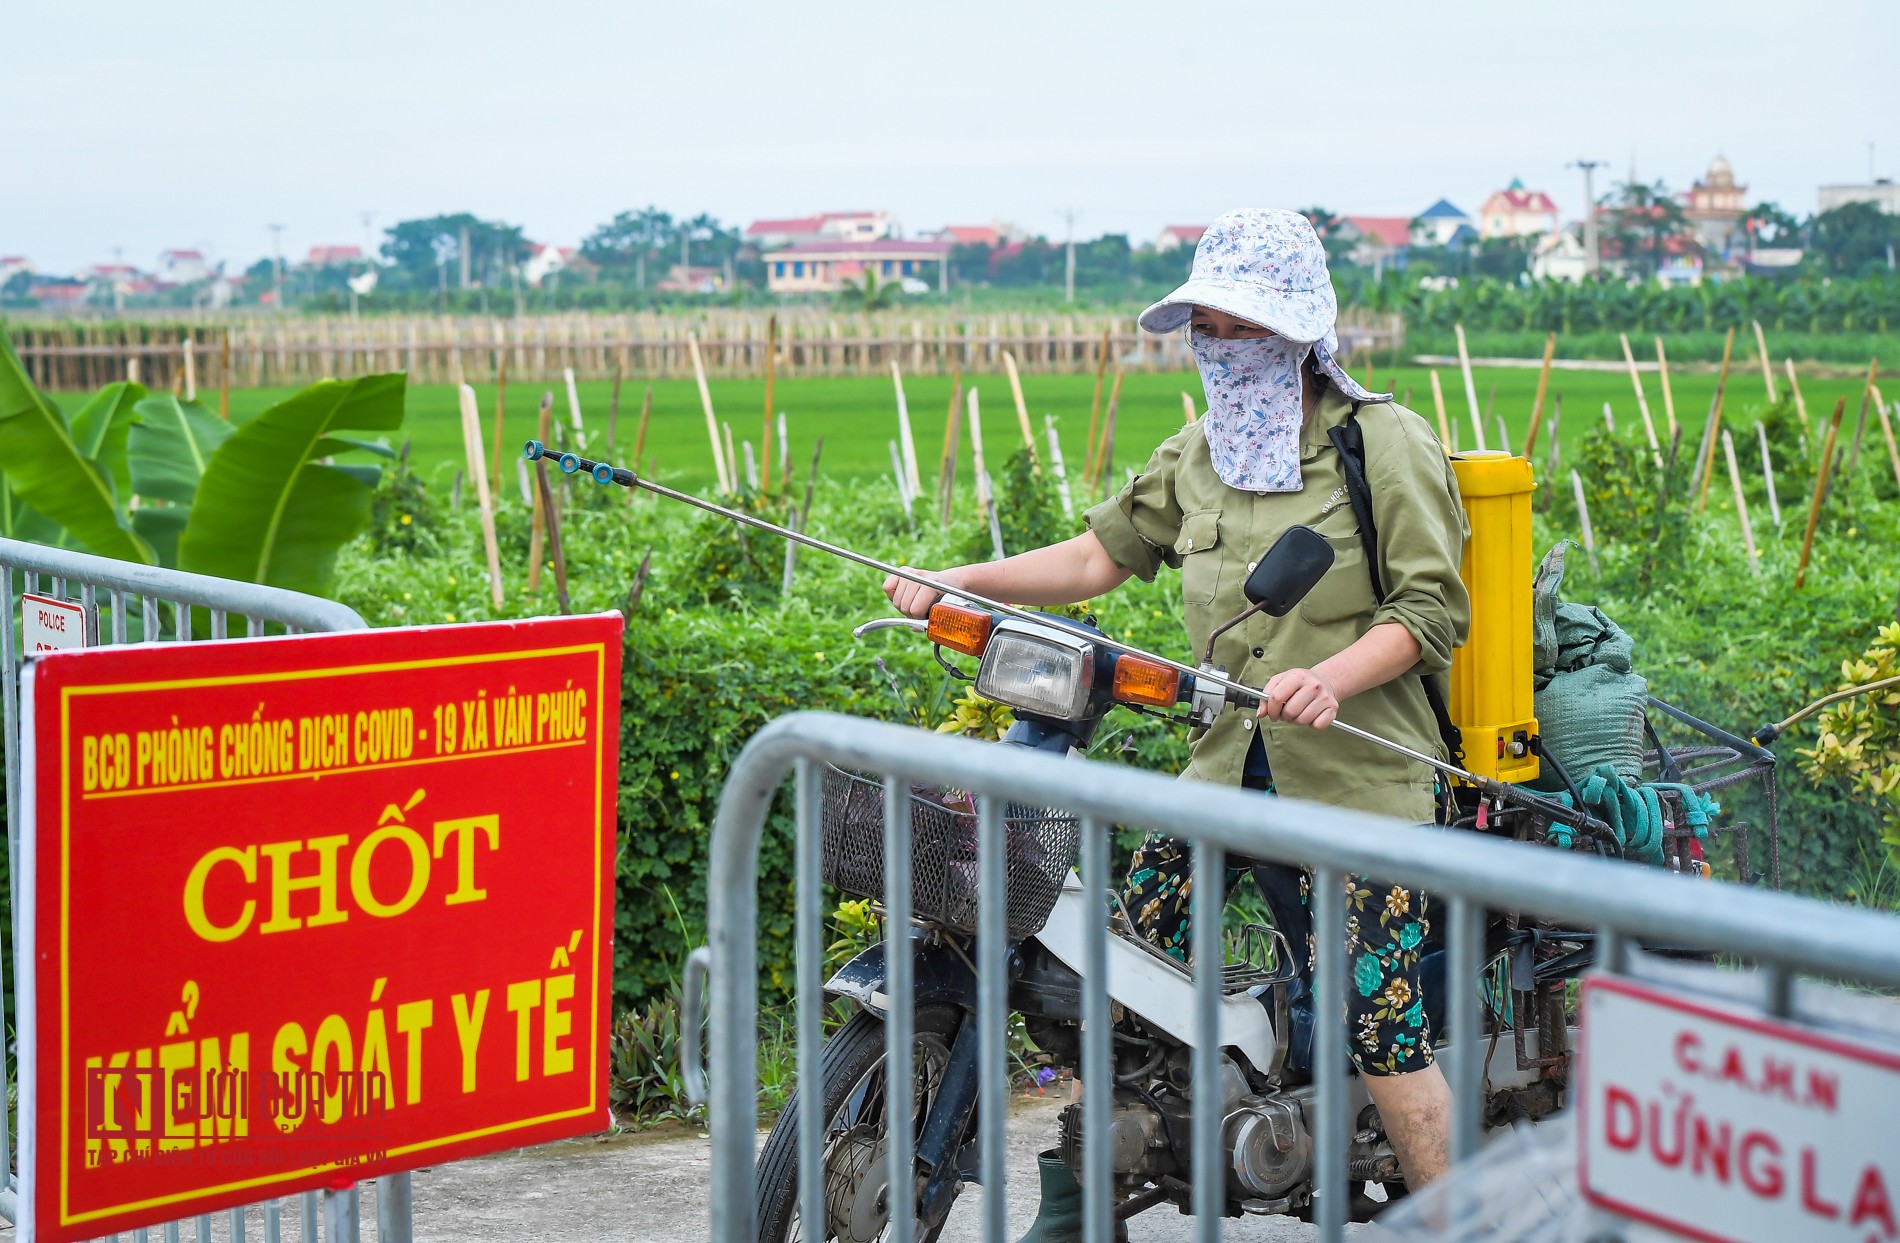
[{"x": 456, "y": 349}]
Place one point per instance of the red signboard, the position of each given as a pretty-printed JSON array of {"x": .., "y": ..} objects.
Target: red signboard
[{"x": 308, "y": 910}]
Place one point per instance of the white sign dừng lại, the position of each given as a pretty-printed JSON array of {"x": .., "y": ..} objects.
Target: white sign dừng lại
[{"x": 1718, "y": 1124}]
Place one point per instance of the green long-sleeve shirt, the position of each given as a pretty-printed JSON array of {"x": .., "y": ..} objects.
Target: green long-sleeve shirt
[{"x": 1177, "y": 512}]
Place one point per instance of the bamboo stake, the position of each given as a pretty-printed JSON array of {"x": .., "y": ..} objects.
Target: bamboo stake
[
  {"x": 132, "y": 369},
  {"x": 726, "y": 430},
  {"x": 1098, "y": 474},
  {"x": 537, "y": 531},
  {"x": 1860, "y": 423},
  {"x": 946, "y": 461},
  {"x": 908, "y": 446},
  {"x": 1188, "y": 413},
  {"x": 1609, "y": 418},
  {"x": 224, "y": 379},
  {"x": 501, "y": 399},
  {"x": 1022, "y": 411},
  {"x": 1537, "y": 406},
  {"x": 903, "y": 485},
  {"x": 985, "y": 498},
  {"x": 1471, "y": 388},
  {"x": 1438, "y": 404},
  {"x": 1767, "y": 369},
  {"x": 551, "y": 514},
  {"x": 1056, "y": 464},
  {"x": 947, "y": 478},
  {"x": 640, "y": 435},
  {"x": 521, "y": 478},
  {"x": 1886, "y": 430},
  {"x": 1669, "y": 399},
  {"x": 1800, "y": 406},
  {"x": 1768, "y": 473},
  {"x": 771, "y": 374},
  {"x": 191, "y": 370},
  {"x": 751, "y": 465},
  {"x": 472, "y": 451},
  {"x": 1583, "y": 517},
  {"x": 1714, "y": 425},
  {"x": 574, "y": 409},
  {"x": 1642, "y": 401},
  {"x": 712, "y": 424},
  {"x": 1095, "y": 409},
  {"x": 784, "y": 455},
  {"x": 1820, "y": 490},
  {"x": 1741, "y": 503}
]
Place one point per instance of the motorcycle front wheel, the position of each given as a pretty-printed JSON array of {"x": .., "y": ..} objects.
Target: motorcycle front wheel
[{"x": 855, "y": 1105}]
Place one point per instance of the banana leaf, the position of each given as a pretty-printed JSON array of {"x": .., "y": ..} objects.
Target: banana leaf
[
  {"x": 101, "y": 427},
  {"x": 267, "y": 511},
  {"x": 170, "y": 445},
  {"x": 46, "y": 469}
]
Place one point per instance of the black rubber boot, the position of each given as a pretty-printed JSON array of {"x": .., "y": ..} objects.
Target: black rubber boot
[{"x": 1059, "y": 1218}]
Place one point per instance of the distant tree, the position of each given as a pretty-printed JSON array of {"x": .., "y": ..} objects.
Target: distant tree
[
  {"x": 1854, "y": 239},
  {"x": 1648, "y": 215},
  {"x": 1106, "y": 261},
  {"x": 970, "y": 263},
  {"x": 417, "y": 248},
  {"x": 870, "y": 294},
  {"x": 1771, "y": 226},
  {"x": 1035, "y": 262},
  {"x": 18, "y": 289},
  {"x": 619, "y": 245},
  {"x": 1502, "y": 258}
]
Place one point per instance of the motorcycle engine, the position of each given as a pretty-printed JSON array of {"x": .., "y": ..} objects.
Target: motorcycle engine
[
  {"x": 1137, "y": 1139},
  {"x": 1270, "y": 1151}
]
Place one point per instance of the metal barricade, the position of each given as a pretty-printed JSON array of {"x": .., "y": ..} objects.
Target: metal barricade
[
  {"x": 1469, "y": 874},
  {"x": 126, "y": 602}
]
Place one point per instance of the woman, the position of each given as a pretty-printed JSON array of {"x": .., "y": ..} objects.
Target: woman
[{"x": 1211, "y": 501}]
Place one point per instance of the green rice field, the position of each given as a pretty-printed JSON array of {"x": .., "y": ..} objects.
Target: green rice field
[{"x": 857, "y": 415}]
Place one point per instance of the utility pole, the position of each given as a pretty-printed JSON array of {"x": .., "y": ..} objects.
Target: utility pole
[
  {"x": 1592, "y": 257},
  {"x": 277, "y": 266},
  {"x": 118, "y": 279},
  {"x": 1068, "y": 285},
  {"x": 464, "y": 257}
]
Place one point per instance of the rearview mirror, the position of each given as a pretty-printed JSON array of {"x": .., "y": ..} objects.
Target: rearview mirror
[{"x": 1291, "y": 568}]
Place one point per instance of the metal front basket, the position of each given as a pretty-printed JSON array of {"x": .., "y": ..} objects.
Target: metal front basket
[{"x": 1041, "y": 846}]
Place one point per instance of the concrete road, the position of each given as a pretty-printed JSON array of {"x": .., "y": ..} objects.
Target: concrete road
[{"x": 657, "y": 1187}]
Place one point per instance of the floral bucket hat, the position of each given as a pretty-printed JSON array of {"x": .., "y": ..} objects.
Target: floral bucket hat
[{"x": 1265, "y": 266}]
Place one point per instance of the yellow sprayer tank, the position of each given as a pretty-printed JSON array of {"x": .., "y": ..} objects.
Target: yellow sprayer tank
[{"x": 1491, "y": 673}]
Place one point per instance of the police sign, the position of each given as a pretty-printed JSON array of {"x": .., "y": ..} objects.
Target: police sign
[{"x": 1720, "y": 1124}]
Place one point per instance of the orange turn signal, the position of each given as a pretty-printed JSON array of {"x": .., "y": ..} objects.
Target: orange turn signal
[
  {"x": 1139, "y": 681},
  {"x": 960, "y": 629}
]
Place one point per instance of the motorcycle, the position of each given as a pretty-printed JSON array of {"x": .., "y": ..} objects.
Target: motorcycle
[
  {"x": 1061, "y": 677},
  {"x": 1061, "y": 682}
]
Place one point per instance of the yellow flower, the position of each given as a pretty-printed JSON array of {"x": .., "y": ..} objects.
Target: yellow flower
[
  {"x": 1398, "y": 901},
  {"x": 448, "y": 617},
  {"x": 674, "y": 774},
  {"x": 1398, "y": 994},
  {"x": 405, "y": 519}
]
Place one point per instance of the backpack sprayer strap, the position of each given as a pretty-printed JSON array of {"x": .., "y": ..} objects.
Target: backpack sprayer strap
[{"x": 1350, "y": 442}]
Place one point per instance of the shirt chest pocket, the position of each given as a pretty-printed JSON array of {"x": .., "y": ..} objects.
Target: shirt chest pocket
[
  {"x": 1344, "y": 591},
  {"x": 1197, "y": 548}
]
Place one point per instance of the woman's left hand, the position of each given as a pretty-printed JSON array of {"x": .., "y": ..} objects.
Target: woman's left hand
[{"x": 1303, "y": 696}]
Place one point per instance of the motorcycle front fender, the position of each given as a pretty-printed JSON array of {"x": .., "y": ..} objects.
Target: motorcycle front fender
[{"x": 939, "y": 976}]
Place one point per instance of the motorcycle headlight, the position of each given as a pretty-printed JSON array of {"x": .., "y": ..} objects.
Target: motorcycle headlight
[{"x": 1043, "y": 676}]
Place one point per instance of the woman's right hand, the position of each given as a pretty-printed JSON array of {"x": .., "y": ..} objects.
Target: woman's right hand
[{"x": 914, "y": 599}]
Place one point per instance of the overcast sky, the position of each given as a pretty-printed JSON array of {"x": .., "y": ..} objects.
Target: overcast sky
[{"x": 146, "y": 126}]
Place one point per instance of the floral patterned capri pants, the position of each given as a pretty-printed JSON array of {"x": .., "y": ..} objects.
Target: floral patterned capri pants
[{"x": 1386, "y": 926}]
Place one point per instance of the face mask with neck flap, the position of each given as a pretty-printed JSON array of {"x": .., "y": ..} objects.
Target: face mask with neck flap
[{"x": 1253, "y": 409}]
